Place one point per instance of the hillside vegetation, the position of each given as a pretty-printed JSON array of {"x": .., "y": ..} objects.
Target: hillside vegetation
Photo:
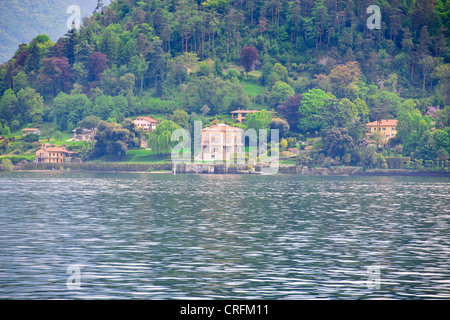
[{"x": 315, "y": 63}]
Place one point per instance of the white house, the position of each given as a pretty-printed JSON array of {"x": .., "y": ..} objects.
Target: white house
[
  {"x": 147, "y": 123},
  {"x": 83, "y": 134}
]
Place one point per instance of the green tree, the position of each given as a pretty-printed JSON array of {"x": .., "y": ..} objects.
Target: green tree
[
  {"x": 157, "y": 63},
  {"x": 181, "y": 118},
  {"x": 110, "y": 45},
  {"x": 281, "y": 125},
  {"x": 8, "y": 105},
  {"x": 160, "y": 139},
  {"x": 343, "y": 76},
  {"x": 259, "y": 120},
  {"x": 280, "y": 92},
  {"x": 135, "y": 133},
  {"x": 31, "y": 137},
  {"x": 311, "y": 106},
  {"x": 368, "y": 157},
  {"x": 138, "y": 67},
  {"x": 30, "y": 105},
  {"x": 70, "y": 109},
  {"x": 338, "y": 142},
  {"x": 205, "y": 110},
  {"x": 89, "y": 122},
  {"x": 210, "y": 91},
  {"x": 281, "y": 72},
  {"x": 283, "y": 144},
  {"x": 411, "y": 128},
  {"x": 321, "y": 19},
  {"x": 48, "y": 133},
  {"x": 441, "y": 139},
  {"x": 7, "y": 165},
  {"x": 110, "y": 140}
]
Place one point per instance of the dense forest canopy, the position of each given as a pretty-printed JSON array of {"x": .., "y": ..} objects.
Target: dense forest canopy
[{"x": 316, "y": 63}]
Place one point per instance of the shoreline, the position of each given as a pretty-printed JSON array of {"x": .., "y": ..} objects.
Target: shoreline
[{"x": 216, "y": 169}]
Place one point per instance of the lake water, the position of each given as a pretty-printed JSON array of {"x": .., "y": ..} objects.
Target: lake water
[{"x": 160, "y": 236}]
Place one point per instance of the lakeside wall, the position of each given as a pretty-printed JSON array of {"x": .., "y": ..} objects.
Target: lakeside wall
[
  {"x": 96, "y": 166},
  {"x": 217, "y": 169}
]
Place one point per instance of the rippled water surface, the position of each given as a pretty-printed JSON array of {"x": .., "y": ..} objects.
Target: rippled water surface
[{"x": 159, "y": 236}]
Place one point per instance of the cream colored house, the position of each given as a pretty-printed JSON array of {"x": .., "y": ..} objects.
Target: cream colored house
[
  {"x": 83, "y": 134},
  {"x": 54, "y": 155},
  {"x": 31, "y": 130},
  {"x": 220, "y": 142},
  {"x": 147, "y": 123}
]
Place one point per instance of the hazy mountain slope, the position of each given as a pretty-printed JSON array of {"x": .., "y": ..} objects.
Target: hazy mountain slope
[{"x": 21, "y": 21}]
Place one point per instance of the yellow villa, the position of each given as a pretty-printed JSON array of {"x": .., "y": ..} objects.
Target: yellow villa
[
  {"x": 53, "y": 155},
  {"x": 387, "y": 128}
]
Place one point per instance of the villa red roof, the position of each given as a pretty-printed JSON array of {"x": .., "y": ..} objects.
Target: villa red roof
[
  {"x": 56, "y": 149},
  {"x": 221, "y": 127},
  {"x": 247, "y": 111},
  {"x": 382, "y": 123},
  {"x": 146, "y": 118}
]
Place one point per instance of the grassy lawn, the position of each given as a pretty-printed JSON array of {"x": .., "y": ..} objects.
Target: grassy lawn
[
  {"x": 253, "y": 89},
  {"x": 145, "y": 156},
  {"x": 255, "y": 73},
  {"x": 61, "y": 142}
]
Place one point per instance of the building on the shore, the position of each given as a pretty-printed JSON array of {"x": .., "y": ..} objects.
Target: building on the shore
[
  {"x": 83, "y": 134},
  {"x": 387, "y": 128},
  {"x": 147, "y": 123},
  {"x": 239, "y": 115},
  {"x": 31, "y": 130},
  {"x": 54, "y": 155},
  {"x": 220, "y": 142}
]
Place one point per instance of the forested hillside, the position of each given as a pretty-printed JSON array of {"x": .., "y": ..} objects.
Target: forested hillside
[
  {"x": 315, "y": 63},
  {"x": 21, "y": 21}
]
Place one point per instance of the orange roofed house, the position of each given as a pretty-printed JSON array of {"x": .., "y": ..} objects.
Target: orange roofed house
[
  {"x": 53, "y": 155},
  {"x": 147, "y": 123},
  {"x": 241, "y": 114},
  {"x": 387, "y": 128},
  {"x": 220, "y": 142}
]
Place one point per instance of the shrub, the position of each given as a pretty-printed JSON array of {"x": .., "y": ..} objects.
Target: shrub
[
  {"x": 7, "y": 165},
  {"x": 232, "y": 73},
  {"x": 327, "y": 162},
  {"x": 31, "y": 137}
]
